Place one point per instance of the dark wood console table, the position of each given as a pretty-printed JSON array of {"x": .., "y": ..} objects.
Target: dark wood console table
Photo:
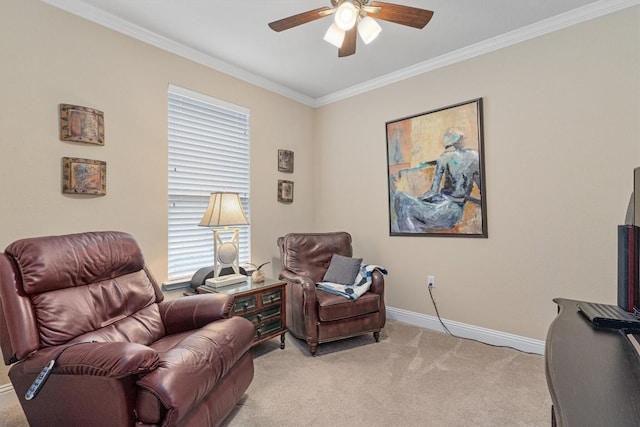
[{"x": 593, "y": 374}]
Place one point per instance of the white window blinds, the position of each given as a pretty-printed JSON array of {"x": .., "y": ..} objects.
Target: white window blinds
[{"x": 208, "y": 151}]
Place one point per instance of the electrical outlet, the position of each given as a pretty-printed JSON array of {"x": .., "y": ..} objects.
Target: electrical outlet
[{"x": 431, "y": 281}]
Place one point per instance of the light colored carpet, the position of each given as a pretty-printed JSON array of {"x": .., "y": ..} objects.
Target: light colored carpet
[{"x": 412, "y": 377}]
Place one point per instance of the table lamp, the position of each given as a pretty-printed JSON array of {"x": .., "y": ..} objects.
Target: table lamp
[{"x": 224, "y": 210}]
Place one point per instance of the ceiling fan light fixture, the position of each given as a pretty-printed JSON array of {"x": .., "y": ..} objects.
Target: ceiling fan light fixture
[
  {"x": 346, "y": 16},
  {"x": 334, "y": 35},
  {"x": 351, "y": 18},
  {"x": 368, "y": 29}
]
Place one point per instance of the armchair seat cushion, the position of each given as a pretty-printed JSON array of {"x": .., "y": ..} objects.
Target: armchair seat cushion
[{"x": 334, "y": 307}]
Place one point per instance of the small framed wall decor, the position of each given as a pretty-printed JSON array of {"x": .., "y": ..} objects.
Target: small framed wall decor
[
  {"x": 84, "y": 176},
  {"x": 285, "y": 161},
  {"x": 285, "y": 191},
  {"x": 81, "y": 124}
]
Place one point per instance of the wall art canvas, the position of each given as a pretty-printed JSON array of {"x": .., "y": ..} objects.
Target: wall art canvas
[
  {"x": 81, "y": 124},
  {"x": 285, "y": 191},
  {"x": 84, "y": 176},
  {"x": 436, "y": 173},
  {"x": 285, "y": 161}
]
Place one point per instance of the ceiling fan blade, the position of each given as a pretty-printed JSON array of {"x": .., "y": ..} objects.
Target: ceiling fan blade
[
  {"x": 299, "y": 19},
  {"x": 349, "y": 43},
  {"x": 403, "y": 15}
]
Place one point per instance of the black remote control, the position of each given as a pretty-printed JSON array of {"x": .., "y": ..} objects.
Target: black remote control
[{"x": 39, "y": 381}]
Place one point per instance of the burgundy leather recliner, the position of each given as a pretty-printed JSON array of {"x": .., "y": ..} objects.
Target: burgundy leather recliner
[
  {"x": 318, "y": 316},
  {"x": 124, "y": 356}
]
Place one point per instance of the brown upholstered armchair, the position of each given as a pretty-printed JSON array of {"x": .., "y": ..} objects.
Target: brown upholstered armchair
[
  {"x": 318, "y": 316},
  {"x": 123, "y": 356}
]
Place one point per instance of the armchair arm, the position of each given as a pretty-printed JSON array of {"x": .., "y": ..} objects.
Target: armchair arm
[
  {"x": 377, "y": 283},
  {"x": 302, "y": 311},
  {"x": 105, "y": 359},
  {"x": 193, "y": 312},
  {"x": 377, "y": 286},
  {"x": 307, "y": 284}
]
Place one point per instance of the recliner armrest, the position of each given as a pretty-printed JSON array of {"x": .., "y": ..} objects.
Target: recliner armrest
[
  {"x": 106, "y": 359},
  {"x": 195, "y": 365},
  {"x": 193, "y": 312}
]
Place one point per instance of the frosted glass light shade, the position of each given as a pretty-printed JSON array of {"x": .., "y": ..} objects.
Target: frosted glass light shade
[
  {"x": 335, "y": 36},
  {"x": 368, "y": 29},
  {"x": 224, "y": 209},
  {"x": 346, "y": 16}
]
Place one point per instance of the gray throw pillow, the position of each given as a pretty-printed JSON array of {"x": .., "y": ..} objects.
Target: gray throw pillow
[{"x": 342, "y": 270}]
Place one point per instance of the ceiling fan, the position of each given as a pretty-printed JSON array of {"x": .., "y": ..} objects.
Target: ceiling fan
[{"x": 353, "y": 16}]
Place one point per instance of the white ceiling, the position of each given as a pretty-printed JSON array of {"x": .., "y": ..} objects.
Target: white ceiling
[{"x": 232, "y": 36}]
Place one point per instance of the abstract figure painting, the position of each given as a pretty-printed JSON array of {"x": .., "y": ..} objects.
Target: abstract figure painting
[{"x": 436, "y": 173}]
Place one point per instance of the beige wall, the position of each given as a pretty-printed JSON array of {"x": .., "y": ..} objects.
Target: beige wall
[
  {"x": 562, "y": 136},
  {"x": 51, "y": 57}
]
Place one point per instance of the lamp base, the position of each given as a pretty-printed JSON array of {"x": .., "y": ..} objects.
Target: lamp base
[{"x": 229, "y": 279}]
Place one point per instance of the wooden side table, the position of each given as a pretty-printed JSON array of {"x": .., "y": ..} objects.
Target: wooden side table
[{"x": 264, "y": 304}]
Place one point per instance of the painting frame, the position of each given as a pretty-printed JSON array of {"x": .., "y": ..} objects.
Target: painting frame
[
  {"x": 285, "y": 191},
  {"x": 81, "y": 124},
  {"x": 285, "y": 161},
  {"x": 436, "y": 173},
  {"x": 84, "y": 176}
]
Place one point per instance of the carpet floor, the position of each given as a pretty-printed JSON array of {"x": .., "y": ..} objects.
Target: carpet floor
[{"x": 412, "y": 377}]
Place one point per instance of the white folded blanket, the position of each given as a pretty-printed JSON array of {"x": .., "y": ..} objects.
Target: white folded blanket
[{"x": 361, "y": 284}]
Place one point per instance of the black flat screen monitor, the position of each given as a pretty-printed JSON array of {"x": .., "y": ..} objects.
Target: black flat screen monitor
[
  {"x": 629, "y": 252},
  {"x": 635, "y": 198}
]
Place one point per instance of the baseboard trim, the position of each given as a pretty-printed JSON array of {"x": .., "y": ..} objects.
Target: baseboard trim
[
  {"x": 7, "y": 396},
  {"x": 488, "y": 336}
]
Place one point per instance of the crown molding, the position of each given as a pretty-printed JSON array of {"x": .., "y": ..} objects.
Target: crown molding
[
  {"x": 567, "y": 19},
  {"x": 558, "y": 22},
  {"x": 104, "y": 19}
]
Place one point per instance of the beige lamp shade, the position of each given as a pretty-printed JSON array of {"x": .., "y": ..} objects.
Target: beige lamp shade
[{"x": 224, "y": 209}]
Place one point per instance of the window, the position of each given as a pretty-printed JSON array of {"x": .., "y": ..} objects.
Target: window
[{"x": 208, "y": 151}]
